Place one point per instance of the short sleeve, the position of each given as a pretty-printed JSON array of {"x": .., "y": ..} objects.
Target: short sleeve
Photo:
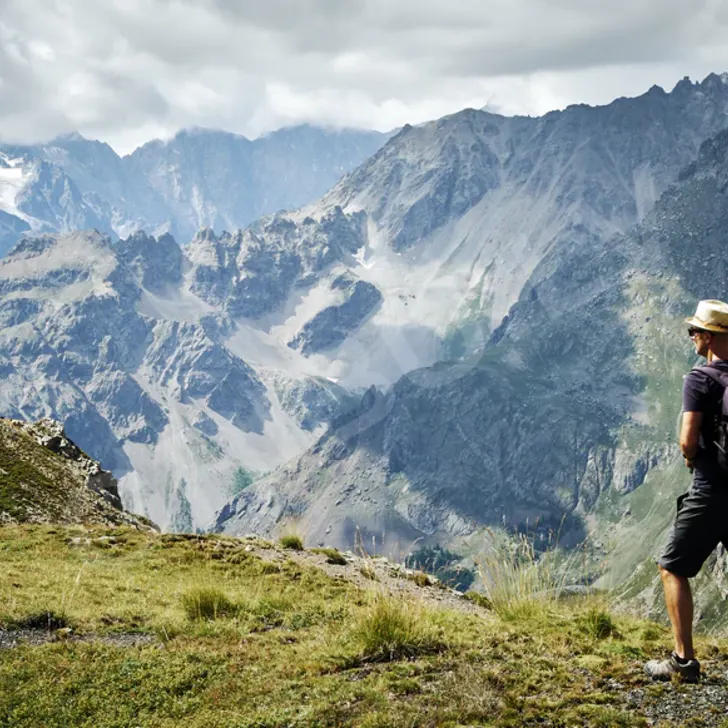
[{"x": 695, "y": 392}]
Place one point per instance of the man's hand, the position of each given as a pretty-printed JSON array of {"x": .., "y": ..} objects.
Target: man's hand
[{"x": 689, "y": 464}]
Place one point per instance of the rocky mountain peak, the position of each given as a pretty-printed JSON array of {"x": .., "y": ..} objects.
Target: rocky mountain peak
[
  {"x": 71, "y": 136},
  {"x": 157, "y": 262},
  {"x": 205, "y": 235},
  {"x": 714, "y": 81}
]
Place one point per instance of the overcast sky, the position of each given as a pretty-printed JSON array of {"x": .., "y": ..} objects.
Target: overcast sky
[{"x": 126, "y": 71}]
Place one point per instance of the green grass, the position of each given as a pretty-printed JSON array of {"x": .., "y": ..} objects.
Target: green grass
[
  {"x": 598, "y": 623},
  {"x": 291, "y": 541},
  {"x": 30, "y": 479},
  {"x": 392, "y": 629},
  {"x": 207, "y": 603},
  {"x": 477, "y": 598},
  {"x": 333, "y": 556},
  {"x": 241, "y": 642}
]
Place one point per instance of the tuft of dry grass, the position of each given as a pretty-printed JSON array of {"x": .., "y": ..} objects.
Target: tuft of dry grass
[
  {"x": 368, "y": 572},
  {"x": 291, "y": 541},
  {"x": 333, "y": 556},
  {"x": 391, "y": 628},
  {"x": 207, "y": 603},
  {"x": 519, "y": 581}
]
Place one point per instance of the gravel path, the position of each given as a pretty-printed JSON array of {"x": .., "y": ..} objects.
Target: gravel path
[{"x": 704, "y": 703}]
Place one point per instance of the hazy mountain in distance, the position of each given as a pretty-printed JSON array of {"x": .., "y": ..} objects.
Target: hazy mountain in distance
[{"x": 200, "y": 178}]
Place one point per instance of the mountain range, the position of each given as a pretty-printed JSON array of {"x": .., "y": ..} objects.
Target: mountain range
[
  {"x": 479, "y": 326},
  {"x": 199, "y": 178},
  {"x": 563, "y": 419}
]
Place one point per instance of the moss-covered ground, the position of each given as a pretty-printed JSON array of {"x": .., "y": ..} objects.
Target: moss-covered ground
[{"x": 240, "y": 641}]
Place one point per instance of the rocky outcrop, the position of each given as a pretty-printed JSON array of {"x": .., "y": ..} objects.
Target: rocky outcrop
[
  {"x": 311, "y": 401},
  {"x": 51, "y": 435},
  {"x": 253, "y": 272},
  {"x": 632, "y": 465},
  {"x": 184, "y": 361},
  {"x": 333, "y": 324},
  {"x": 46, "y": 478},
  {"x": 156, "y": 262}
]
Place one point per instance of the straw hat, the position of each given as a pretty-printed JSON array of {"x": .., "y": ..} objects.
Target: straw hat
[{"x": 711, "y": 316}]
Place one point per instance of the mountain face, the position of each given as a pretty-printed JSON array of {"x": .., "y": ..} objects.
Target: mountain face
[
  {"x": 11, "y": 228},
  {"x": 458, "y": 213},
  {"x": 476, "y": 241},
  {"x": 569, "y": 407},
  {"x": 133, "y": 346},
  {"x": 200, "y": 178}
]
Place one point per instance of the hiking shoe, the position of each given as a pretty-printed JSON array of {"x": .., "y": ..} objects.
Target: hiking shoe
[{"x": 664, "y": 669}]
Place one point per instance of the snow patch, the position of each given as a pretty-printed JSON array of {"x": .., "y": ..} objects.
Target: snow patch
[{"x": 12, "y": 180}]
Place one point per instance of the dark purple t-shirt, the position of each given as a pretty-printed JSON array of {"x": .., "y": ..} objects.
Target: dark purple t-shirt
[{"x": 702, "y": 394}]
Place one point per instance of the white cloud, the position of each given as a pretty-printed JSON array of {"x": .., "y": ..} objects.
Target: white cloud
[{"x": 126, "y": 69}]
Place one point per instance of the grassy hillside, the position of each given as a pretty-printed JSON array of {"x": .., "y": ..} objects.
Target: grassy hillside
[
  {"x": 111, "y": 628},
  {"x": 40, "y": 485}
]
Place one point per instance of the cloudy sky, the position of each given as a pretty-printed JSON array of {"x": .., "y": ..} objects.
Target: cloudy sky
[{"x": 126, "y": 71}]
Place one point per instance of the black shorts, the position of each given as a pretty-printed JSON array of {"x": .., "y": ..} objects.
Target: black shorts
[{"x": 700, "y": 525}]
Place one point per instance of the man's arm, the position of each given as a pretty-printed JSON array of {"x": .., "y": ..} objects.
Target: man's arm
[{"x": 689, "y": 434}]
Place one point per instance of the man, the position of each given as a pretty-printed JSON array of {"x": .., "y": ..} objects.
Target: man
[{"x": 702, "y": 513}]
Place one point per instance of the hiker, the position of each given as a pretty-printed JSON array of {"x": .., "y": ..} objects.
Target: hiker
[{"x": 702, "y": 513}]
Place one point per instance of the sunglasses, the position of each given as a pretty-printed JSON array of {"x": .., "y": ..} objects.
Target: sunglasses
[{"x": 692, "y": 331}]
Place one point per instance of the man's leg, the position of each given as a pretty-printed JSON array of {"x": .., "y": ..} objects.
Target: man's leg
[
  {"x": 679, "y": 601},
  {"x": 695, "y": 533}
]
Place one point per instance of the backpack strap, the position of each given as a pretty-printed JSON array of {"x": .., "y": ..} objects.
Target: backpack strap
[
  {"x": 720, "y": 434},
  {"x": 716, "y": 375}
]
